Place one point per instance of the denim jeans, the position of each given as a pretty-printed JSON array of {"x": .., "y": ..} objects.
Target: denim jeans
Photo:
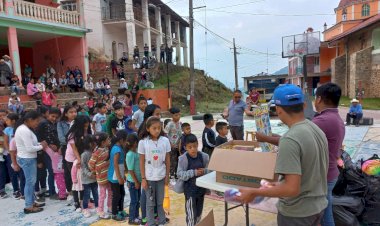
[
  {"x": 134, "y": 206},
  {"x": 29, "y": 166},
  {"x": 143, "y": 203},
  {"x": 18, "y": 109},
  {"x": 15, "y": 89},
  {"x": 90, "y": 188},
  {"x": 15, "y": 176},
  {"x": 49, "y": 167},
  {"x": 328, "y": 217}
]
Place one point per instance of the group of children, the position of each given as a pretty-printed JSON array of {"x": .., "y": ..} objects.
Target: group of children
[{"x": 92, "y": 168}]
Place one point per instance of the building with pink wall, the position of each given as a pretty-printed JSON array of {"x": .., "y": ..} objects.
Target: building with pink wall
[{"x": 39, "y": 33}]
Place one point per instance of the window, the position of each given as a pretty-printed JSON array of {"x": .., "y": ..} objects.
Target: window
[
  {"x": 69, "y": 5},
  {"x": 365, "y": 10},
  {"x": 344, "y": 15},
  {"x": 316, "y": 61}
]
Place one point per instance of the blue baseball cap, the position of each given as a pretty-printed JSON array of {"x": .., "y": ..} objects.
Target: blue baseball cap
[{"x": 288, "y": 95}]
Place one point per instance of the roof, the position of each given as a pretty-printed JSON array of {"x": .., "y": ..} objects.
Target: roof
[
  {"x": 344, "y": 3},
  {"x": 266, "y": 76},
  {"x": 366, "y": 23},
  {"x": 165, "y": 9}
]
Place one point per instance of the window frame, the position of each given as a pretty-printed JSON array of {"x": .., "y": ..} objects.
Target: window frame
[{"x": 366, "y": 10}]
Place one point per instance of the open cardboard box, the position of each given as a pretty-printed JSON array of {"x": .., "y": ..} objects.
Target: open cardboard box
[
  {"x": 208, "y": 220},
  {"x": 242, "y": 167}
]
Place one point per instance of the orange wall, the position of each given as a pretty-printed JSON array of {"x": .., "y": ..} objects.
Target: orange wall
[
  {"x": 334, "y": 31},
  {"x": 326, "y": 55},
  {"x": 68, "y": 48},
  {"x": 159, "y": 97},
  {"x": 374, "y": 6},
  {"x": 324, "y": 79}
]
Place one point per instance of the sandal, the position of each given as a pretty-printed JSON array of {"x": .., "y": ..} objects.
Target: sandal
[{"x": 32, "y": 210}]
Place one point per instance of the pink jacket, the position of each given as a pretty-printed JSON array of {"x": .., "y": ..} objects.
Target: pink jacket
[
  {"x": 48, "y": 98},
  {"x": 31, "y": 89},
  {"x": 76, "y": 177},
  {"x": 56, "y": 160}
]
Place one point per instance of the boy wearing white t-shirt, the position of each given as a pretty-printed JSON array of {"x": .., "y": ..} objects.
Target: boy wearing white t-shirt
[{"x": 99, "y": 120}]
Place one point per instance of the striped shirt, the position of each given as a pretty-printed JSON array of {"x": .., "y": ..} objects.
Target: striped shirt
[{"x": 99, "y": 164}]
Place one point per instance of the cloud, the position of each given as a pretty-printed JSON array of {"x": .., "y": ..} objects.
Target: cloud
[{"x": 250, "y": 31}]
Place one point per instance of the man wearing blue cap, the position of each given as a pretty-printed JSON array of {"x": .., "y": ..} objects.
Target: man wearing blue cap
[{"x": 301, "y": 165}]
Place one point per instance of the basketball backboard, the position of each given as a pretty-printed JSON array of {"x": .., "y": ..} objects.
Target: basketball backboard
[{"x": 301, "y": 44}]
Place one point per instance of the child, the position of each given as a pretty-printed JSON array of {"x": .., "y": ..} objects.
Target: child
[
  {"x": 118, "y": 122},
  {"x": 90, "y": 104},
  {"x": 48, "y": 98},
  {"x": 88, "y": 177},
  {"x": 191, "y": 165},
  {"x": 138, "y": 116},
  {"x": 154, "y": 165},
  {"x": 77, "y": 189},
  {"x": 186, "y": 130},
  {"x": 99, "y": 164},
  {"x": 6, "y": 168},
  {"x": 208, "y": 136},
  {"x": 116, "y": 175},
  {"x": 222, "y": 129},
  {"x": 99, "y": 120},
  {"x": 134, "y": 179},
  {"x": 174, "y": 132},
  {"x": 47, "y": 131},
  {"x": 166, "y": 122},
  {"x": 56, "y": 160}
]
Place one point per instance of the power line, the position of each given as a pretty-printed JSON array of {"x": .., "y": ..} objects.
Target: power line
[
  {"x": 240, "y": 4},
  {"x": 273, "y": 14}
]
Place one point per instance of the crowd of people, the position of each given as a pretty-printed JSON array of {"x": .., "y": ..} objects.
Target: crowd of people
[{"x": 69, "y": 153}]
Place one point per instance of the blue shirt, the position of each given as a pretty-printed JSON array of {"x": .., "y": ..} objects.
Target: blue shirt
[
  {"x": 111, "y": 170},
  {"x": 356, "y": 109},
  {"x": 236, "y": 113},
  {"x": 133, "y": 164}
]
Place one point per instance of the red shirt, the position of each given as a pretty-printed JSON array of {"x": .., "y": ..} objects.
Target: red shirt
[{"x": 47, "y": 98}]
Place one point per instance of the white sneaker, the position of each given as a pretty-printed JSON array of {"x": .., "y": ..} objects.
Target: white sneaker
[
  {"x": 86, "y": 213},
  {"x": 78, "y": 210}
]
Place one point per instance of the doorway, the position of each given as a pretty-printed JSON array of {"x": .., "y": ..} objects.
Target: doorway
[{"x": 114, "y": 51}]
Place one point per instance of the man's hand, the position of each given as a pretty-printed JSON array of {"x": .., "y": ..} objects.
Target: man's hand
[
  {"x": 246, "y": 195},
  {"x": 15, "y": 167},
  {"x": 260, "y": 137},
  {"x": 199, "y": 172}
]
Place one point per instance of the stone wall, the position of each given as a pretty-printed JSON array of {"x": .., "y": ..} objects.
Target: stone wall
[
  {"x": 338, "y": 72},
  {"x": 374, "y": 89},
  {"x": 360, "y": 71}
]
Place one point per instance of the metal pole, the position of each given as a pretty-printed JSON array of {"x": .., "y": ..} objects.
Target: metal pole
[
  {"x": 191, "y": 28},
  {"x": 236, "y": 68},
  {"x": 304, "y": 85},
  {"x": 167, "y": 65}
]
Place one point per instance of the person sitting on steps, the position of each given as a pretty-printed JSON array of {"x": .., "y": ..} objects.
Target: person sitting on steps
[{"x": 355, "y": 112}]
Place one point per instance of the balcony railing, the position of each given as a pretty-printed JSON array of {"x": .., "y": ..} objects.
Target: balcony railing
[
  {"x": 115, "y": 12},
  {"x": 46, "y": 13}
]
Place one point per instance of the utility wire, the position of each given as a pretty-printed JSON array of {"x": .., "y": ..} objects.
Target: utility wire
[{"x": 273, "y": 14}]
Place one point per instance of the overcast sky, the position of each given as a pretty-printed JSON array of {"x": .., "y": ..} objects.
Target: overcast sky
[{"x": 252, "y": 32}]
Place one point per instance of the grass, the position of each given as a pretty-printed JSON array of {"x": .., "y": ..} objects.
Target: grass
[
  {"x": 211, "y": 95},
  {"x": 367, "y": 103}
]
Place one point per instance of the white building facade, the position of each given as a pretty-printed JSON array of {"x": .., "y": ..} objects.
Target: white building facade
[{"x": 120, "y": 25}]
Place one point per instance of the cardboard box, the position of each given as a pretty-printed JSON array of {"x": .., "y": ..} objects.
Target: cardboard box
[
  {"x": 208, "y": 220},
  {"x": 242, "y": 167}
]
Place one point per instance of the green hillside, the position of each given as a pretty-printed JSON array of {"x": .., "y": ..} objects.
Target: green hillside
[{"x": 210, "y": 94}]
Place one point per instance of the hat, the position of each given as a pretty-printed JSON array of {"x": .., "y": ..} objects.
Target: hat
[
  {"x": 288, "y": 95},
  {"x": 122, "y": 79},
  {"x": 13, "y": 94},
  {"x": 6, "y": 56},
  {"x": 355, "y": 100}
]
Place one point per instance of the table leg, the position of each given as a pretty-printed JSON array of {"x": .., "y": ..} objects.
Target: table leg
[
  {"x": 225, "y": 213},
  {"x": 247, "y": 214}
]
